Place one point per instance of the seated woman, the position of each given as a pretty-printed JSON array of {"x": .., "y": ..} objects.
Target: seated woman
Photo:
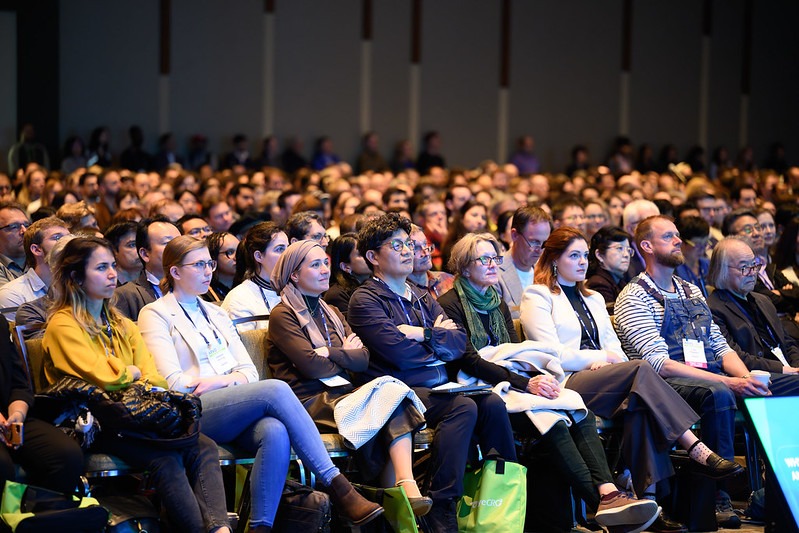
[
  {"x": 50, "y": 458},
  {"x": 471, "y": 218},
  {"x": 347, "y": 271},
  {"x": 222, "y": 246},
  {"x": 558, "y": 310},
  {"x": 252, "y": 293},
  {"x": 608, "y": 261},
  {"x": 475, "y": 304},
  {"x": 87, "y": 338},
  {"x": 198, "y": 350},
  {"x": 312, "y": 348}
]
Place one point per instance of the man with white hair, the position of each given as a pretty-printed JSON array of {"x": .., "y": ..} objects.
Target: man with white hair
[{"x": 633, "y": 214}]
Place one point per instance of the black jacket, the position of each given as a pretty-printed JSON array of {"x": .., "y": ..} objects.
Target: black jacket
[
  {"x": 13, "y": 380},
  {"x": 742, "y": 336}
]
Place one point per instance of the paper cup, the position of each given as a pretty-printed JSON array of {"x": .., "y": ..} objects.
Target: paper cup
[{"x": 762, "y": 376}]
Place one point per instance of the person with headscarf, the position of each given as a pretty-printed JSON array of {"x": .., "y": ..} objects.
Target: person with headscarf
[{"x": 312, "y": 348}]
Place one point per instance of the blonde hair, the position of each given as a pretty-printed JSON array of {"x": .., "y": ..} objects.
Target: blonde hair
[{"x": 174, "y": 253}]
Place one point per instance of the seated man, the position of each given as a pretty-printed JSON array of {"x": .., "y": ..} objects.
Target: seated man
[
  {"x": 436, "y": 283},
  {"x": 666, "y": 321},
  {"x": 409, "y": 337},
  {"x": 152, "y": 236},
  {"x": 747, "y": 319}
]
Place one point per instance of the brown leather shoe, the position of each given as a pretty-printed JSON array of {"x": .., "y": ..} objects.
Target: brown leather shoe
[{"x": 350, "y": 504}]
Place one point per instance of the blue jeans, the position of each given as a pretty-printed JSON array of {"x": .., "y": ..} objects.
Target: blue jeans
[
  {"x": 265, "y": 417},
  {"x": 188, "y": 480}
]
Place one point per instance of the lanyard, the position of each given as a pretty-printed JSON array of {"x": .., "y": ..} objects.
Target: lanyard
[
  {"x": 402, "y": 303},
  {"x": 327, "y": 331},
  {"x": 322, "y": 316},
  {"x": 213, "y": 329},
  {"x": 266, "y": 303},
  {"x": 109, "y": 333},
  {"x": 764, "y": 322},
  {"x": 593, "y": 333}
]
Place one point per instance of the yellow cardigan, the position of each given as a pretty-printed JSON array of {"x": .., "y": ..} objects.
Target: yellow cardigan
[{"x": 70, "y": 350}]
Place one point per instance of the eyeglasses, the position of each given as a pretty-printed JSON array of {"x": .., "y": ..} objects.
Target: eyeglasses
[
  {"x": 228, "y": 253},
  {"x": 200, "y": 266},
  {"x": 535, "y": 245},
  {"x": 398, "y": 244},
  {"x": 418, "y": 248},
  {"x": 750, "y": 229},
  {"x": 748, "y": 270},
  {"x": 196, "y": 232},
  {"x": 319, "y": 237},
  {"x": 573, "y": 218},
  {"x": 15, "y": 227},
  {"x": 485, "y": 260},
  {"x": 621, "y": 249}
]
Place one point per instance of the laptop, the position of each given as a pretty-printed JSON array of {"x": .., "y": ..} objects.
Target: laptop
[{"x": 775, "y": 424}]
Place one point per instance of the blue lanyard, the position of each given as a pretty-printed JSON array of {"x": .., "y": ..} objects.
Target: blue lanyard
[
  {"x": 770, "y": 332},
  {"x": 327, "y": 331},
  {"x": 402, "y": 304},
  {"x": 210, "y": 325}
]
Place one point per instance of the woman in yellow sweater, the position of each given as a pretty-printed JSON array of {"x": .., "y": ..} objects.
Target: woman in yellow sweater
[{"x": 87, "y": 338}]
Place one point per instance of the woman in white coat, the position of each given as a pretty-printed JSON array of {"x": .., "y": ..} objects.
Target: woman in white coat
[
  {"x": 197, "y": 349},
  {"x": 559, "y": 310}
]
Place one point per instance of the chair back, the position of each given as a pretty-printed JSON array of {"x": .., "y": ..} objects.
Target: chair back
[
  {"x": 32, "y": 354},
  {"x": 517, "y": 325},
  {"x": 255, "y": 342}
]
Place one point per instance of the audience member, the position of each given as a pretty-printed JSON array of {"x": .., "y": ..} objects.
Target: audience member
[
  {"x": 13, "y": 224},
  {"x": 608, "y": 263},
  {"x": 222, "y": 247}
]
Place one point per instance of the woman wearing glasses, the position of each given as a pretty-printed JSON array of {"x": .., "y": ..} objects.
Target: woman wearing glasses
[
  {"x": 608, "y": 261},
  {"x": 222, "y": 247},
  {"x": 198, "y": 350},
  {"x": 560, "y": 311},
  {"x": 571, "y": 446},
  {"x": 252, "y": 293},
  {"x": 695, "y": 236}
]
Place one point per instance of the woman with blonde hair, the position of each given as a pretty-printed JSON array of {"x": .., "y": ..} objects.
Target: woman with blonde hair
[
  {"x": 198, "y": 350},
  {"x": 86, "y": 337}
]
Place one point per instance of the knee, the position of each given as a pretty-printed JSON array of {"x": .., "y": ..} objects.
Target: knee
[
  {"x": 271, "y": 433},
  {"x": 494, "y": 405},
  {"x": 721, "y": 395},
  {"x": 464, "y": 407},
  {"x": 277, "y": 387}
]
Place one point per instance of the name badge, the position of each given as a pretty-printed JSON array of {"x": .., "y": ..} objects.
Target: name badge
[
  {"x": 694, "y": 352},
  {"x": 334, "y": 381},
  {"x": 777, "y": 351},
  {"x": 220, "y": 358}
]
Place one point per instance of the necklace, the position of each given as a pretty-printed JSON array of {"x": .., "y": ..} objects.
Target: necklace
[{"x": 308, "y": 305}]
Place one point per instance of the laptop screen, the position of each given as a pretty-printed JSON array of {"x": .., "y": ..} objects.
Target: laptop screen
[{"x": 774, "y": 420}]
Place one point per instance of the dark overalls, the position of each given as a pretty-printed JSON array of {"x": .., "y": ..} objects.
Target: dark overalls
[{"x": 690, "y": 318}]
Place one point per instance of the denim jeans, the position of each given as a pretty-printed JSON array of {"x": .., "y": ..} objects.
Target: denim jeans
[
  {"x": 188, "y": 480},
  {"x": 265, "y": 417},
  {"x": 715, "y": 403}
]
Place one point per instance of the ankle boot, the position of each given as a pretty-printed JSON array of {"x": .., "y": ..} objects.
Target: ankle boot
[{"x": 350, "y": 504}]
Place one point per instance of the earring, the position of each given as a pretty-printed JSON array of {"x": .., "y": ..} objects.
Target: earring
[{"x": 555, "y": 269}]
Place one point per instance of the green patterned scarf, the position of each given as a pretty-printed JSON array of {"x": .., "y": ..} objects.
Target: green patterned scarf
[{"x": 488, "y": 302}]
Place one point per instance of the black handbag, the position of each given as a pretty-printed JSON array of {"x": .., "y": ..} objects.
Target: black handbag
[{"x": 303, "y": 510}]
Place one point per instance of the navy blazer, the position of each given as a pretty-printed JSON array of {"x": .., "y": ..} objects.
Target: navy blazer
[
  {"x": 133, "y": 295},
  {"x": 742, "y": 336}
]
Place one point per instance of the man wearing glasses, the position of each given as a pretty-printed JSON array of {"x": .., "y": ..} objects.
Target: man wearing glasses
[
  {"x": 434, "y": 282},
  {"x": 410, "y": 338},
  {"x": 13, "y": 223},
  {"x": 529, "y": 229},
  {"x": 749, "y": 320},
  {"x": 38, "y": 240}
]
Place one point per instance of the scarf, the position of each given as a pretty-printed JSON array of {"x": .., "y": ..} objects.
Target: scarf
[{"x": 488, "y": 302}]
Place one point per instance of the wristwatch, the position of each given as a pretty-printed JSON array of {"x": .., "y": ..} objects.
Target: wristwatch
[{"x": 428, "y": 334}]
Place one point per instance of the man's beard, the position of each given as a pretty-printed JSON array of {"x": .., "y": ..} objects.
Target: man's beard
[{"x": 669, "y": 260}]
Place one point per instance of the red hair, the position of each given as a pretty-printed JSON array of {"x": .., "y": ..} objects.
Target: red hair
[{"x": 554, "y": 246}]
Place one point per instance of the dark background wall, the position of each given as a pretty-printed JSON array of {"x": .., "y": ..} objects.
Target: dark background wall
[{"x": 83, "y": 63}]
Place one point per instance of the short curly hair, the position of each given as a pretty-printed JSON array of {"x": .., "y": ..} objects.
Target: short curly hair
[{"x": 377, "y": 230}]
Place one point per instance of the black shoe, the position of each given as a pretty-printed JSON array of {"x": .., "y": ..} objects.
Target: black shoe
[
  {"x": 726, "y": 516},
  {"x": 441, "y": 518},
  {"x": 717, "y": 467},
  {"x": 664, "y": 524}
]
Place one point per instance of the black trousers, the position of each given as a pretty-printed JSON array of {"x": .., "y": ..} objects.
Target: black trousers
[
  {"x": 50, "y": 458},
  {"x": 460, "y": 422}
]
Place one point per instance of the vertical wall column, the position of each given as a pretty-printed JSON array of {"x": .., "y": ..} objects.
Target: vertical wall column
[
  {"x": 268, "y": 72},
  {"x": 704, "y": 73},
  {"x": 415, "y": 72},
  {"x": 164, "y": 57},
  {"x": 626, "y": 66},
  {"x": 503, "y": 104},
  {"x": 366, "y": 66},
  {"x": 746, "y": 75}
]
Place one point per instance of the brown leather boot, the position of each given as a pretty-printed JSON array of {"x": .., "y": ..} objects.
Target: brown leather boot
[{"x": 350, "y": 504}]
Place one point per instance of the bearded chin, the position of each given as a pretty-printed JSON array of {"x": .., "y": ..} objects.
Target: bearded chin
[{"x": 670, "y": 260}]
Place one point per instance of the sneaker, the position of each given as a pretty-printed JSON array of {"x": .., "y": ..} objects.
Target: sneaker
[
  {"x": 634, "y": 528},
  {"x": 725, "y": 513},
  {"x": 618, "y": 509}
]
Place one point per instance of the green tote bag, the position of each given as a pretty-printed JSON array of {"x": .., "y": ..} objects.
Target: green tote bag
[{"x": 494, "y": 498}]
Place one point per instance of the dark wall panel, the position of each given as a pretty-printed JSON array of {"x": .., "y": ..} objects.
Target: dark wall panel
[
  {"x": 565, "y": 76},
  {"x": 664, "y": 86},
  {"x": 725, "y": 76},
  {"x": 459, "y": 81}
]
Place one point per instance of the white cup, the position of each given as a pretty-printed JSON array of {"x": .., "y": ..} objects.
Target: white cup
[{"x": 762, "y": 376}]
